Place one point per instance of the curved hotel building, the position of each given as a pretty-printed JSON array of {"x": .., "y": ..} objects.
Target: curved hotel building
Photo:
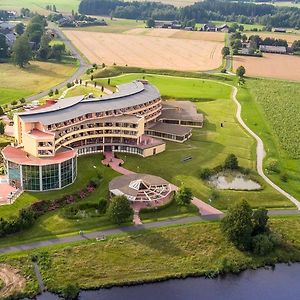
[{"x": 133, "y": 120}]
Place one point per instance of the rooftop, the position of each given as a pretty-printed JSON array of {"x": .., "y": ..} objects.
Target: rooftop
[
  {"x": 170, "y": 128},
  {"x": 129, "y": 94},
  {"x": 19, "y": 156}
]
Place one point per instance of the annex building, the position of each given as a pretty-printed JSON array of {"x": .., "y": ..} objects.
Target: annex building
[{"x": 134, "y": 120}]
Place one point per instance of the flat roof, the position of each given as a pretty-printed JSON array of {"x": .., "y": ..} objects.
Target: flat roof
[
  {"x": 20, "y": 157},
  {"x": 180, "y": 110},
  {"x": 129, "y": 94},
  {"x": 40, "y": 134},
  {"x": 168, "y": 128}
]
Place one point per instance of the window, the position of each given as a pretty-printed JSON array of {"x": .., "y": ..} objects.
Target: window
[
  {"x": 31, "y": 178},
  {"x": 66, "y": 173},
  {"x": 50, "y": 177}
]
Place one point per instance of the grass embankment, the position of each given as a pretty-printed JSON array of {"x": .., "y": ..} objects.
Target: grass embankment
[
  {"x": 16, "y": 83},
  {"x": 270, "y": 108},
  {"x": 156, "y": 254}
]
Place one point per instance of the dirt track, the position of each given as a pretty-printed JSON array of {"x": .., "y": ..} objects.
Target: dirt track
[
  {"x": 148, "y": 51},
  {"x": 12, "y": 280}
]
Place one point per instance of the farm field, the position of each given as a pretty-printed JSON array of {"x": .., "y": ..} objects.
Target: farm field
[
  {"x": 147, "y": 51},
  {"x": 270, "y": 108},
  {"x": 277, "y": 66},
  {"x": 289, "y": 37},
  {"x": 16, "y": 83}
]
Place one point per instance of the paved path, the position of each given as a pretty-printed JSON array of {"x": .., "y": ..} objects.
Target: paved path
[
  {"x": 260, "y": 152},
  {"x": 109, "y": 232}
]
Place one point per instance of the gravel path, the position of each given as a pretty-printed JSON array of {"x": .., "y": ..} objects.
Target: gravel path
[{"x": 260, "y": 152}]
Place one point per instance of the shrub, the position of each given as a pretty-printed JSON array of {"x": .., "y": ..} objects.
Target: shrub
[
  {"x": 262, "y": 244},
  {"x": 56, "y": 92},
  {"x": 260, "y": 221},
  {"x": 273, "y": 166},
  {"x": 184, "y": 196},
  {"x": 119, "y": 210},
  {"x": 231, "y": 162},
  {"x": 95, "y": 181},
  {"x": 2, "y": 127},
  {"x": 14, "y": 102},
  {"x": 102, "y": 205},
  {"x": 22, "y": 100},
  {"x": 284, "y": 177},
  {"x": 1, "y": 110},
  {"x": 206, "y": 173},
  {"x": 69, "y": 84},
  {"x": 71, "y": 291},
  {"x": 214, "y": 194}
]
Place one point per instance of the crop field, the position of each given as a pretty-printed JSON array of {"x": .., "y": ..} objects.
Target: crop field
[
  {"x": 16, "y": 83},
  {"x": 147, "y": 51},
  {"x": 270, "y": 65},
  {"x": 289, "y": 37}
]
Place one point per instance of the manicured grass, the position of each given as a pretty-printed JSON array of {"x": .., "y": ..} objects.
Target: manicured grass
[
  {"x": 270, "y": 109},
  {"x": 82, "y": 90},
  {"x": 16, "y": 83},
  {"x": 169, "y": 210},
  {"x": 208, "y": 146},
  {"x": 39, "y": 6},
  {"x": 194, "y": 249},
  {"x": 178, "y": 87}
]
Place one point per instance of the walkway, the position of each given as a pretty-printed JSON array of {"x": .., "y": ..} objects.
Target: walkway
[
  {"x": 5, "y": 191},
  {"x": 260, "y": 151},
  {"x": 115, "y": 163}
]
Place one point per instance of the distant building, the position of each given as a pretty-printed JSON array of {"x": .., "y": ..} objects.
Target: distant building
[
  {"x": 7, "y": 29},
  {"x": 222, "y": 28},
  {"x": 168, "y": 24},
  {"x": 273, "y": 49},
  {"x": 208, "y": 27},
  {"x": 280, "y": 30}
]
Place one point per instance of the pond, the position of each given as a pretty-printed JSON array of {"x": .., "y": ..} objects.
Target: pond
[
  {"x": 234, "y": 181},
  {"x": 279, "y": 283}
]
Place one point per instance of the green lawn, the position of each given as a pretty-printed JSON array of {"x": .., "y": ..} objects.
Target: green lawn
[
  {"x": 175, "y": 251},
  {"x": 178, "y": 87},
  {"x": 16, "y": 83},
  {"x": 270, "y": 108}
]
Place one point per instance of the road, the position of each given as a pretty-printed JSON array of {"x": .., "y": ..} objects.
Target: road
[
  {"x": 83, "y": 66},
  {"x": 260, "y": 152},
  {"x": 127, "y": 229}
]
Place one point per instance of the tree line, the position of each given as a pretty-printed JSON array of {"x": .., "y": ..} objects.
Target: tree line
[
  {"x": 202, "y": 12},
  {"x": 33, "y": 42}
]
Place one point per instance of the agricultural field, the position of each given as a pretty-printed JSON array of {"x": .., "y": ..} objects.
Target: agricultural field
[
  {"x": 16, "y": 83},
  {"x": 270, "y": 108},
  {"x": 277, "y": 66},
  {"x": 148, "y": 51}
]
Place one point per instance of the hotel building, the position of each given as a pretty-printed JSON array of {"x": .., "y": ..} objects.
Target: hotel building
[{"x": 134, "y": 120}]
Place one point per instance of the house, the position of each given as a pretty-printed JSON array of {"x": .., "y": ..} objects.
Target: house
[
  {"x": 7, "y": 29},
  {"x": 222, "y": 28},
  {"x": 208, "y": 27},
  {"x": 282, "y": 30},
  {"x": 273, "y": 49},
  {"x": 168, "y": 24}
]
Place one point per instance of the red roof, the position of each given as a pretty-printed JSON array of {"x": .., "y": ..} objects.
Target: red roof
[
  {"x": 41, "y": 134},
  {"x": 19, "y": 156}
]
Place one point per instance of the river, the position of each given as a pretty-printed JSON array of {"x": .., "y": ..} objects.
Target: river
[{"x": 281, "y": 283}]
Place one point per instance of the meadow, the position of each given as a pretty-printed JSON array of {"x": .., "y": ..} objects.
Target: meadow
[
  {"x": 270, "y": 109},
  {"x": 16, "y": 83},
  {"x": 149, "y": 255}
]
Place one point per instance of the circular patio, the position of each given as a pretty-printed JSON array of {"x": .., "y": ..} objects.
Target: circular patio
[{"x": 141, "y": 188}]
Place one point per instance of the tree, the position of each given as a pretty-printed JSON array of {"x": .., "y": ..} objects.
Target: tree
[
  {"x": 57, "y": 51},
  {"x": 2, "y": 128},
  {"x": 240, "y": 71},
  {"x": 231, "y": 162},
  {"x": 3, "y": 46},
  {"x": 20, "y": 28},
  {"x": 237, "y": 225},
  {"x": 71, "y": 291},
  {"x": 150, "y": 23},
  {"x": 184, "y": 196},
  {"x": 44, "y": 50},
  {"x": 260, "y": 221},
  {"x": 225, "y": 51},
  {"x": 1, "y": 111},
  {"x": 262, "y": 244},
  {"x": 119, "y": 210},
  {"x": 21, "y": 52},
  {"x": 296, "y": 46}
]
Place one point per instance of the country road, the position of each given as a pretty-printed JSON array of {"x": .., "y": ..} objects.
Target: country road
[{"x": 83, "y": 66}]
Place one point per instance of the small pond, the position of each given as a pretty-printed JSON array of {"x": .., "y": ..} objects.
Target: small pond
[{"x": 236, "y": 181}]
